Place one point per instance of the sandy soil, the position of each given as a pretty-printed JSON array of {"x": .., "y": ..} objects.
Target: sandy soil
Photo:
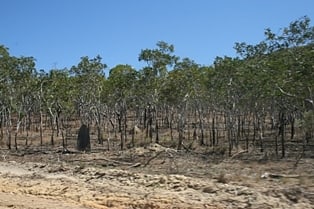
[{"x": 152, "y": 177}]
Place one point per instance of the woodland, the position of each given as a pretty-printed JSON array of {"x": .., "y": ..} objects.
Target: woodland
[{"x": 261, "y": 100}]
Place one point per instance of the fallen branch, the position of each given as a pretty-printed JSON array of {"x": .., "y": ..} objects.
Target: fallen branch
[
  {"x": 238, "y": 153},
  {"x": 135, "y": 165},
  {"x": 187, "y": 148},
  {"x": 152, "y": 158},
  {"x": 277, "y": 176},
  {"x": 167, "y": 151}
]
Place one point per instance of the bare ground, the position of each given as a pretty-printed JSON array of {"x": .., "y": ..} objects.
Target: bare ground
[{"x": 151, "y": 177}]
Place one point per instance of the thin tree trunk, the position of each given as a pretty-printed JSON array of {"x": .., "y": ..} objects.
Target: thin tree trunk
[
  {"x": 63, "y": 139},
  {"x": 121, "y": 140},
  {"x": 202, "y": 141},
  {"x": 98, "y": 128},
  {"x": 1, "y": 126},
  {"x": 282, "y": 133},
  {"x": 8, "y": 129},
  {"x": 194, "y": 132},
  {"x": 151, "y": 128},
  {"x": 180, "y": 140},
  {"x": 276, "y": 145},
  {"x": 238, "y": 134},
  {"x": 109, "y": 135},
  {"x": 27, "y": 135},
  {"x": 133, "y": 137},
  {"x": 99, "y": 135},
  {"x": 145, "y": 121},
  {"x": 230, "y": 141},
  {"x": 171, "y": 130},
  {"x": 180, "y": 129},
  {"x": 15, "y": 140},
  {"x": 16, "y": 133},
  {"x": 52, "y": 130},
  {"x": 157, "y": 134},
  {"x": 9, "y": 139},
  {"x": 260, "y": 123},
  {"x": 213, "y": 131},
  {"x": 292, "y": 126},
  {"x": 41, "y": 128},
  {"x": 254, "y": 129},
  {"x": 247, "y": 136},
  {"x": 188, "y": 127},
  {"x": 283, "y": 151},
  {"x": 125, "y": 125}
]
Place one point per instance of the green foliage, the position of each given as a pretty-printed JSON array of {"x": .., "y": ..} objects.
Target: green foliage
[
  {"x": 277, "y": 74},
  {"x": 308, "y": 121},
  {"x": 17, "y": 82},
  {"x": 88, "y": 76},
  {"x": 122, "y": 81},
  {"x": 158, "y": 59},
  {"x": 3, "y": 51},
  {"x": 59, "y": 91}
]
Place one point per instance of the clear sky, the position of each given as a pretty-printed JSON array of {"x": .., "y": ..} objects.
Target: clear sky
[{"x": 57, "y": 33}]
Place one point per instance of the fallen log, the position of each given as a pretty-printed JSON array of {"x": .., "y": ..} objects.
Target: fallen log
[{"x": 277, "y": 175}]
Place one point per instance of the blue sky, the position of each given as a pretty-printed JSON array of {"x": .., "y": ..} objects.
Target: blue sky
[{"x": 57, "y": 33}]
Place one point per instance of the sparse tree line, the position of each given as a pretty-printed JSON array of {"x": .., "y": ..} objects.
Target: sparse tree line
[{"x": 261, "y": 99}]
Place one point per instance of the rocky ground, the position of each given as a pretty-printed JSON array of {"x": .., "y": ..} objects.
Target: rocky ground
[{"x": 151, "y": 177}]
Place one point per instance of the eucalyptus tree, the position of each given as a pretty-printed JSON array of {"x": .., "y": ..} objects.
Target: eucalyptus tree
[
  {"x": 24, "y": 91},
  {"x": 227, "y": 82},
  {"x": 58, "y": 100},
  {"x": 88, "y": 78},
  {"x": 41, "y": 88},
  {"x": 16, "y": 86},
  {"x": 174, "y": 95},
  {"x": 6, "y": 88},
  {"x": 123, "y": 82},
  {"x": 190, "y": 94},
  {"x": 152, "y": 77}
]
